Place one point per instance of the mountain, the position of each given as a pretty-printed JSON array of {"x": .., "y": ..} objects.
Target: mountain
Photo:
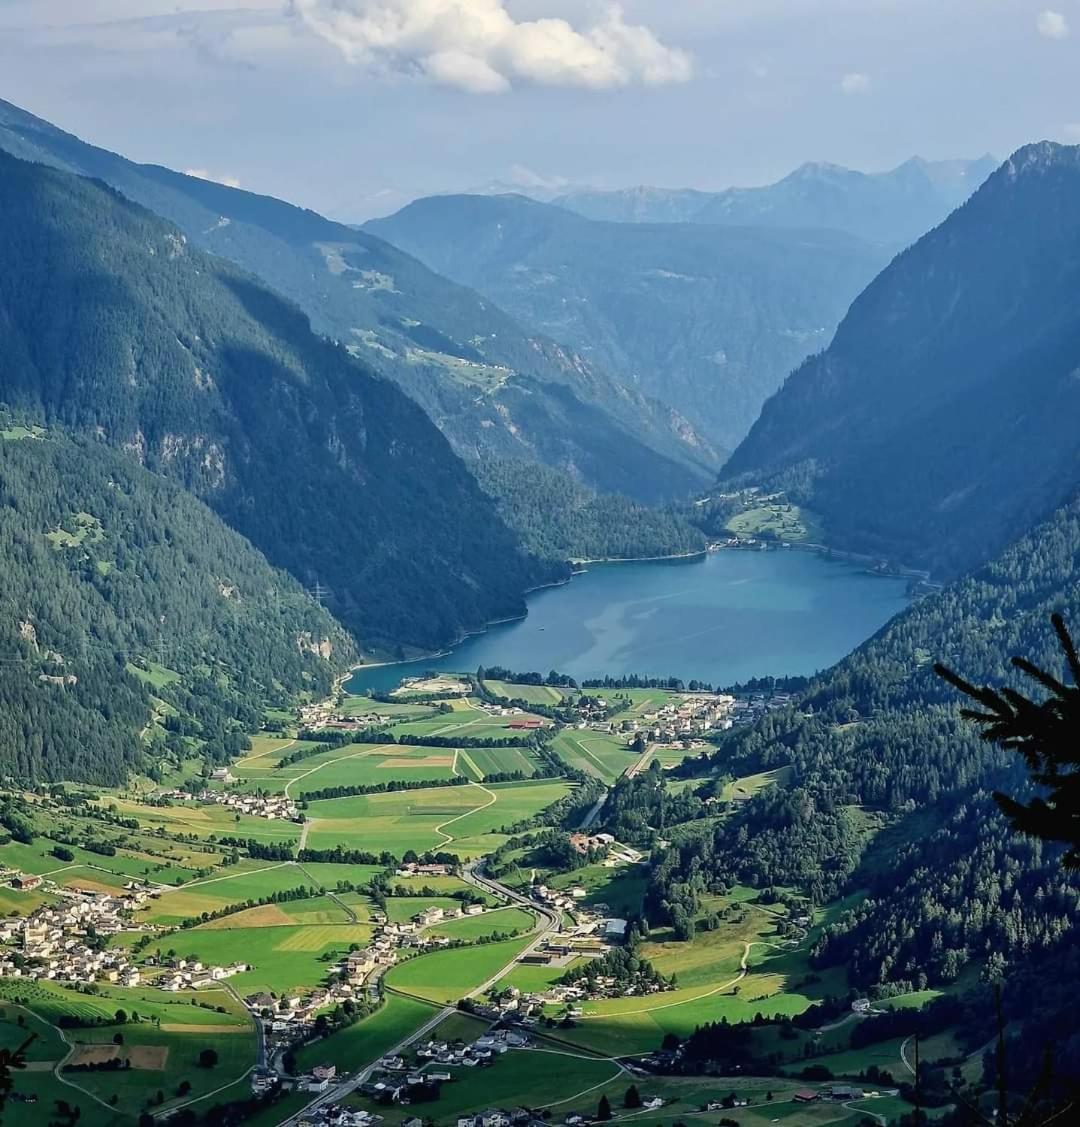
[
  {"x": 940, "y": 421},
  {"x": 893, "y": 208},
  {"x": 137, "y": 630},
  {"x": 887, "y": 803},
  {"x": 709, "y": 319},
  {"x": 113, "y": 326},
  {"x": 491, "y": 387}
]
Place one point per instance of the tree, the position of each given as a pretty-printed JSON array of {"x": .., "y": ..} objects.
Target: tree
[
  {"x": 118, "y": 1039},
  {"x": 121, "y": 1017},
  {"x": 632, "y": 1097},
  {"x": 183, "y": 1087},
  {"x": 603, "y": 1109},
  {"x": 1046, "y": 734},
  {"x": 208, "y": 1058}
]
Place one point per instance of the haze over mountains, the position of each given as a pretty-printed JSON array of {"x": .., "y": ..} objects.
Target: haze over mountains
[
  {"x": 710, "y": 319},
  {"x": 493, "y": 388},
  {"x": 893, "y": 207},
  {"x": 941, "y": 420}
]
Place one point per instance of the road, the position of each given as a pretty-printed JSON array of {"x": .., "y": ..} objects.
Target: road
[{"x": 472, "y": 874}]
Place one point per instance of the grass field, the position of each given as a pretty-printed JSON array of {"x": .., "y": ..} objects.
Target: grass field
[
  {"x": 749, "y": 785},
  {"x": 283, "y": 957},
  {"x": 215, "y": 893},
  {"x": 711, "y": 986},
  {"x": 529, "y": 1078},
  {"x": 205, "y": 820},
  {"x": 622, "y": 889},
  {"x": 503, "y": 920},
  {"x": 531, "y": 694},
  {"x": 447, "y": 976},
  {"x": 428, "y": 819},
  {"x": 605, "y": 757},
  {"x": 777, "y": 519},
  {"x": 368, "y": 1039}
]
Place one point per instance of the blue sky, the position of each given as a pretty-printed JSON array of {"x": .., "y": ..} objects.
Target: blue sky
[{"x": 354, "y": 106}]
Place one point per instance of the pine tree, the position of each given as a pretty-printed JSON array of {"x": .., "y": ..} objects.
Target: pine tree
[
  {"x": 632, "y": 1097},
  {"x": 1046, "y": 734},
  {"x": 603, "y": 1110}
]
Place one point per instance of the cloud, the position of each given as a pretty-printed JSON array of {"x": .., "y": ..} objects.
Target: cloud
[
  {"x": 855, "y": 83},
  {"x": 478, "y": 46},
  {"x": 203, "y": 174},
  {"x": 1052, "y": 25}
]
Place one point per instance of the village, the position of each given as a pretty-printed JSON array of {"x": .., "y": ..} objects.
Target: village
[{"x": 271, "y": 806}]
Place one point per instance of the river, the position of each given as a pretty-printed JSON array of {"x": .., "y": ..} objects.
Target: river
[{"x": 723, "y": 618}]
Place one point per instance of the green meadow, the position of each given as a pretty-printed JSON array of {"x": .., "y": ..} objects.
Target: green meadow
[{"x": 446, "y": 976}]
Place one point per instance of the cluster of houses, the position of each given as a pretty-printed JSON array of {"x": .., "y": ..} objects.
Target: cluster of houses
[
  {"x": 272, "y": 806},
  {"x": 53, "y": 941},
  {"x": 337, "y": 1115},
  {"x": 191, "y": 974}
]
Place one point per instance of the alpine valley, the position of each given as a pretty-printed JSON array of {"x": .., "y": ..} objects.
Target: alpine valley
[{"x": 255, "y": 872}]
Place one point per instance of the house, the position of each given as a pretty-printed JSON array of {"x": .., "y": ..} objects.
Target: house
[
  {"x": 651, "y": 1103},
  {"x": 324, "y": 1071},
  {"x": 861, "y": 1005},
  {"x": 525, "y": 725},
  {"x": 473, "y": 909},
  {"x": 221, "y": 775},
  {"x": 614, "y": 929},
  {"x": 804, "y": 1096},
  {"x": 845, "y": 1092},
  {"x": 25, "y": 882}
]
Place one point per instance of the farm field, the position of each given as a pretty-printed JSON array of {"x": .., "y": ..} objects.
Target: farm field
[
  {"x": 427, "y": 819},
  {"x": 207, "y": 819},
  {"x": 361, "y": 1043},
  {"x": 520, "y": 1078},
  {"x": 216, "y": 893},
  {"x": 741, "y": 789},
  {"x": 597, "y": 754},
  {"x": 447, "y": 976},
  {"x": 622, "y": 889},
  {"x": 532, "y": 694},
  {"x": 503, "y": 920},
  {"x": 282, "y": 956}
]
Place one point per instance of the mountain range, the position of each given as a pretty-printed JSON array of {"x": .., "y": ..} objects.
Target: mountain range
[
  {"x": 939, "y": 424},
  {"x": 116, "y": 328},
  {"x": 492, "y": 387},
  {"x": 894, "y": 207},
  {"x": 707, "y": 318}
]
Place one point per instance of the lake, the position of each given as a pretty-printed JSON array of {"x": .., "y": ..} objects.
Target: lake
[{"x": 723, "y": 618}]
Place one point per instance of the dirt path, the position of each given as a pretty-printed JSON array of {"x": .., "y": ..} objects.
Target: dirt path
[
  {"x": 229, "y": 876},
  {"x": 492, "y": 798},
  {"x": 370, "y": 750}
]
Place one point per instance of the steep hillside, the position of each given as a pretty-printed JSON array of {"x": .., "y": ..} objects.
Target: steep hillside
[
  {"x": 490, "y": 386},
  {"x": 893, "y": 207},
  {"x": 709, "y": 319},
  {"x": 878, "y": 743},
  {"x": 111, "y": 324},
  {"x": 940, "y": 421},
  {"x": 129, "y": 607}
]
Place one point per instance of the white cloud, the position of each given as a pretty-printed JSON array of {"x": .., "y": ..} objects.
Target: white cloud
[
  {"x": 203, "y": 174},
  {"x": 855, "y": 83},
  {"x": 1052, "y": 25},
  {"x": 477, "y": 45}
]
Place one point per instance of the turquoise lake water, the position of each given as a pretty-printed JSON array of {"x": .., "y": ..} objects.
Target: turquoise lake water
[{"x": 724, "y": 618}]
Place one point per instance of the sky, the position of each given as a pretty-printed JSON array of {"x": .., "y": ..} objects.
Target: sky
[{"x": 353, "y": 107}]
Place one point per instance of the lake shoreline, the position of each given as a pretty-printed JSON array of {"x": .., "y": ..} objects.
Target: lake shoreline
[{"x": 724, "y": 618}]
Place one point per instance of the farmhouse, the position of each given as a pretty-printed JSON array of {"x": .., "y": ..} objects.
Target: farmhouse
[{"x": 25, "y": 882}]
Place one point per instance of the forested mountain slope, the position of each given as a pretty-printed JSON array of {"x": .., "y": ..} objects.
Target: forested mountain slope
[
  {"x": 491, "y": 387},
  {"x": 880, "y": 738},
  {"x": 941, "y": 420},
  {"x": 112, "y": 325},
  {"x": 893, "y": 208},
  {"x": 709, "y": 319},
  {"x": 107, "y": 568}
]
